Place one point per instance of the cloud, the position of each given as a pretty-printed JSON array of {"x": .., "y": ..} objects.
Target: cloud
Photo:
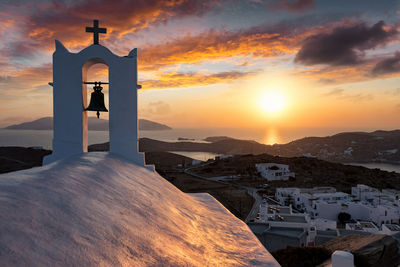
[
  {"x": 179, "y": 80},
  {"x": 388, "y": 65},
  {"x": 358, "y": 97},
  {"x": 256, "y": 42},
  {"x": 5, "y": 78},
  {"x": 335, "y": 92},
  {"x": 26, "y": 80},
  {"x": 42, "y": 89},
  {"x": 65, "y": 21},
  {"x": 293, "y": 6},
  {"x": 157, "y": 108},
  {"x": 37, "y": 23},
  {"x": 344, "y": 45},
  {"x": 326, "y": 81},
  {"x": 340, "y": 93}
]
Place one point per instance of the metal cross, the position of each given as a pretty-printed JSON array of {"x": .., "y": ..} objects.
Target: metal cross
[{"x": 96, "y": 30}]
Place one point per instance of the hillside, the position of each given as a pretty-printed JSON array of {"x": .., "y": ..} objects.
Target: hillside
[
  {"x": 379, "y": 146},
  {"x": 310, "y": 172},
  {"x": 94, "y": 124},
  {"x": 97, "y": 209},
  {"x": 19, "y": 158},
  {"x": 224, "y": 146}
]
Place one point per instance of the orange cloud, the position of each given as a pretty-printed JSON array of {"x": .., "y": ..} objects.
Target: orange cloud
[
  {"x": 26, "y": 80},
  {"x": 178, "y": 80},
  {"x": 64, "y": 21},
  {"x": 212, "y": 45}
]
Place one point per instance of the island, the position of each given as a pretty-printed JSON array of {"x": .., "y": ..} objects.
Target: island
[{"x": 94, "y": 124}]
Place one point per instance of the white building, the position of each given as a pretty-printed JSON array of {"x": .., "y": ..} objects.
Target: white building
[
  {"x": 322, "y": 209},
  {"x": 364, "y": 192},
  {"x": 366, "y": 203},
  {"x": 395, "y": 194},
  {"x": 304, "y": 198},
  {"x": 363, "y": 226},
  {"x": 283, "y": 216},
  {"x": 274, "y": 171},
  {"x": 390, "y": 229},
  {"x": 322, "y": 224}
]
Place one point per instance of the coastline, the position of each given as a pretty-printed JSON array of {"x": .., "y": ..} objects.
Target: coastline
[{"x": 383, "y": 166}]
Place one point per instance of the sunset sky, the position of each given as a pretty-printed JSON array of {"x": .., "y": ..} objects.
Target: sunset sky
[{"x": 224, "y": 63}]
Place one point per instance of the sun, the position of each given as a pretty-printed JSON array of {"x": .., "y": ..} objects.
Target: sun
[{"x": 272, "y": 102}]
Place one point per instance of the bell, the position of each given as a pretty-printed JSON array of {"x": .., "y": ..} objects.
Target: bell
[{"x": 97, "y": 100}]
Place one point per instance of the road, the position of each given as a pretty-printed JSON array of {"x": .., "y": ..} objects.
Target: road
[{"x": 256, "y": 205}]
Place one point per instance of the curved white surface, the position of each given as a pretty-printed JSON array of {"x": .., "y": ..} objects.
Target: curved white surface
[{"x": 99, "y": 209}]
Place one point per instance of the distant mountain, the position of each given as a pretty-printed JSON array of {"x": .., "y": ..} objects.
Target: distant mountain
[
  {"x": 378, "y": 146},
  {"x": 95, "y": 124},
  {"x": 45, "y": 123},
  {"x": 147, "y": 125}
]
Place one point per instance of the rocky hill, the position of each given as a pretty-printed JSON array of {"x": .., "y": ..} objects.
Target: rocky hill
[
  {"x": 378, "y": 146},
  {"x": 310, "y": 172},
  {"x": 94, "y": 124},
  {"x": 224, "y": 146}
]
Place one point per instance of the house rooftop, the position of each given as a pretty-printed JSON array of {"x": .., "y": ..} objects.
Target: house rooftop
[
  {"x": 287, "y": 231},
  {"x": 368, "y": 225},
  {"x": 260, "y": 228},
  {"x": 288, "y": 218},
  {"x": 392, "y": 227},
  {"x": 279, "y": 209}
]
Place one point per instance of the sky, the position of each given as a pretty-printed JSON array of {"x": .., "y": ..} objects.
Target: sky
[{"x": 220, "y": 63}]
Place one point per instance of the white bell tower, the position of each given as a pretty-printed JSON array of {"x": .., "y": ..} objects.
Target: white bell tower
[{"x": 69, "y": 100}]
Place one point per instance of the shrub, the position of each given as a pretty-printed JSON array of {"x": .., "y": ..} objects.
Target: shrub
[{"x": 301, "y": 257}]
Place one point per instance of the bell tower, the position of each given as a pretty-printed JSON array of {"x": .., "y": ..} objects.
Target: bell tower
[{"x": 69, "y": 100}]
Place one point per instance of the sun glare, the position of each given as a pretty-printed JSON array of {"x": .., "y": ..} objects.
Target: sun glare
[{"x": 272, "y": 102}]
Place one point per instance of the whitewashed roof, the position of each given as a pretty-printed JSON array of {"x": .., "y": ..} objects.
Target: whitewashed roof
[{"x": 97, "y": 209}]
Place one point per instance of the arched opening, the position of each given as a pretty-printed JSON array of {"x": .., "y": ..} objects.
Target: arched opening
[{"x": 95, "y": 130}]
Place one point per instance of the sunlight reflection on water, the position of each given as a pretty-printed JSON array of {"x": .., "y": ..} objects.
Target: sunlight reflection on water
[{"x": 271, "y": 137}]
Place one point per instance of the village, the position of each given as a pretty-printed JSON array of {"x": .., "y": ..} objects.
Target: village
[{"x": 300, "y": 217}]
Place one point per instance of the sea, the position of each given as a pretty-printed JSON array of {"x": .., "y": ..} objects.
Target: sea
[
  {"x": 381, "y": 166},
  {"x": 43, "y": 138}
]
